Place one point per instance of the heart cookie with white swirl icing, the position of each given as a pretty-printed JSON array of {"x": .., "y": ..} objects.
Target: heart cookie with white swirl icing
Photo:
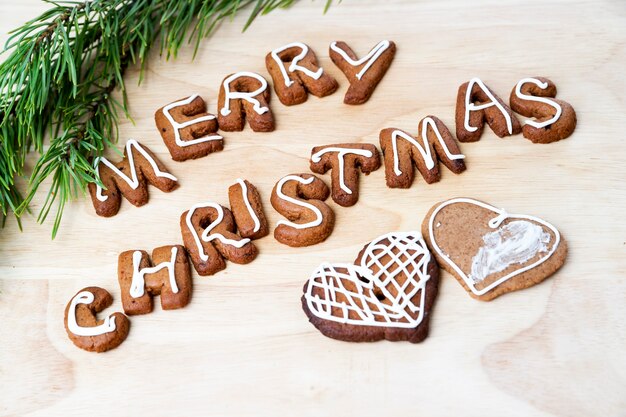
[
  {"x": 489, "y": 251},
  {"x": 387, "y": 293}
]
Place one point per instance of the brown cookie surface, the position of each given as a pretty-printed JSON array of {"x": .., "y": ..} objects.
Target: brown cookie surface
[
  {"x": 489, "y": 251},
  {"x": 402, "y": 152},
  {"x": 244, "y": 96},
  {"x": 188, "y": 131},
  {"x": 477, "y": 104},
  {"x": 129, "y": 178},
  {"x": 209, "y": 234},
  {"x": 554, "y": 119},
  {"x": 344, "y": 160},
  {"x": 300, "y": 198},
  {"x": 167, "y": 275},
  {"x": 295, "y": 73},
  {"x": 246, "y": 206},
  {"x": 85, "y": 330},
  {"x": 363, "y": 74},
  {"x": 388, "y": 293}
]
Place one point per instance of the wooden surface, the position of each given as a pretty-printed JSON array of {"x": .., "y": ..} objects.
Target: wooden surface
[{"x": 243, "y": 346}]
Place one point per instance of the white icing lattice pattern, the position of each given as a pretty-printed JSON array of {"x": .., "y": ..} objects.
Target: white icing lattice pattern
[{"x": 348, "y": 288}]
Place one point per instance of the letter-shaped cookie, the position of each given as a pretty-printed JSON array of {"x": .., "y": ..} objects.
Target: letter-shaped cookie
[
  {"x": 245, "y": 204},
  {"x": 208, "y": 231},
  {"x": 475, "y": 104},
  {"x": 83, "y": 327},
  {"x": 128, "y": 178},
  {"x": 555, "y": 119},
  {"x": 187, "y": 129},
  {"x": 309, "y": 222},
  {"x": 244, "y": 95},
  {"x": 168, "y": 275},
  {"x": 344, "y": 161},
  {"x": 295, "y": 72},
  {"x": 434, "y": 143},
  {"x": 363, "y": 74}
]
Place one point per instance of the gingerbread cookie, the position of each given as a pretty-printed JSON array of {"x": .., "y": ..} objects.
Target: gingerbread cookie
[
  {"x": 363, "y": 74},
  {"x": 245, "y": 204},
  {"x": 344, "y": 160},
  {"x": 83, "y": 327},
  {"x": 128, "y": 178},
  {"x": 295, "y": 72},
  {"x": 244, "y": 95},
  {"x": 308, "y": 222},
  {"x": 489, "y": 251},
  {"x": 388, "y": 293},
  {"x": 187, "y": 129},
  {"x": 475, "y": 104},
  {"x": 402, "y": 151},
  {"x": 555, "y": 119},
  {"x": 167, "y": 275},
  {"x": 208, "y": 231}
]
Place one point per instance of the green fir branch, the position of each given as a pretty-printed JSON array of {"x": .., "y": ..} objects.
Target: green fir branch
[{"x": 59, "y": 75}]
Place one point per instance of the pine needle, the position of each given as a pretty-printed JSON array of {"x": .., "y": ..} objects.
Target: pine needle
[{"x": 58, "y": 78}]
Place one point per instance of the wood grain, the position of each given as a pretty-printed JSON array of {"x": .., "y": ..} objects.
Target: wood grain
[{"x": 243, "y": 346}]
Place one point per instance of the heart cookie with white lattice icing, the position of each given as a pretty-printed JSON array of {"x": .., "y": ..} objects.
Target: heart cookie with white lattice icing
[
  {"x": 386, "y": 294},
  {"x": 489, "y": 251}
]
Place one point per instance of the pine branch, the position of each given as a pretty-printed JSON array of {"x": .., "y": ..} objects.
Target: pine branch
[{"x": 59, "y": 76}]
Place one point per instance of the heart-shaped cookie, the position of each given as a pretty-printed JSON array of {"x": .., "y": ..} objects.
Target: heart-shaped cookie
[
  {"x": 490, "y": 251},
  {"x": 386, "y": 294}
]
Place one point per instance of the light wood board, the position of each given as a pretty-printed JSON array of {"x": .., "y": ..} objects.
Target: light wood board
[{"x": 243, "y": 346}]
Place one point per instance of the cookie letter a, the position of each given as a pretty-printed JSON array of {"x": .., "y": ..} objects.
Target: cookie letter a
[{"x": 475, "y": 104}]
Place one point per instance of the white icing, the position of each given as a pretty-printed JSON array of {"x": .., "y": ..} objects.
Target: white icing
[
  {"x": 86, "y": 297},
  {"x": 279, "y": 192},
  {"x": 138, "y": 282},
  {"x": 371, "y": 57},
  {"x": 494, "y": 223},
  {"x": 246, "y": 200},
  {"x": 206, "y": 235},
  {"x": 543, "y": 86},
  {"x": 294, "y": 63},
  {"x": 177, "y": 126},
  {"x": 133, "y": 181},
  {"x": 341, "y": 153},
  {"x": 404, "y": 253},
  {"x": 470, "y": 106},
  {"x": 514, "y": 243},
  {"x": 423, "y": 150},
  {"x": 249, "y": 97}
]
